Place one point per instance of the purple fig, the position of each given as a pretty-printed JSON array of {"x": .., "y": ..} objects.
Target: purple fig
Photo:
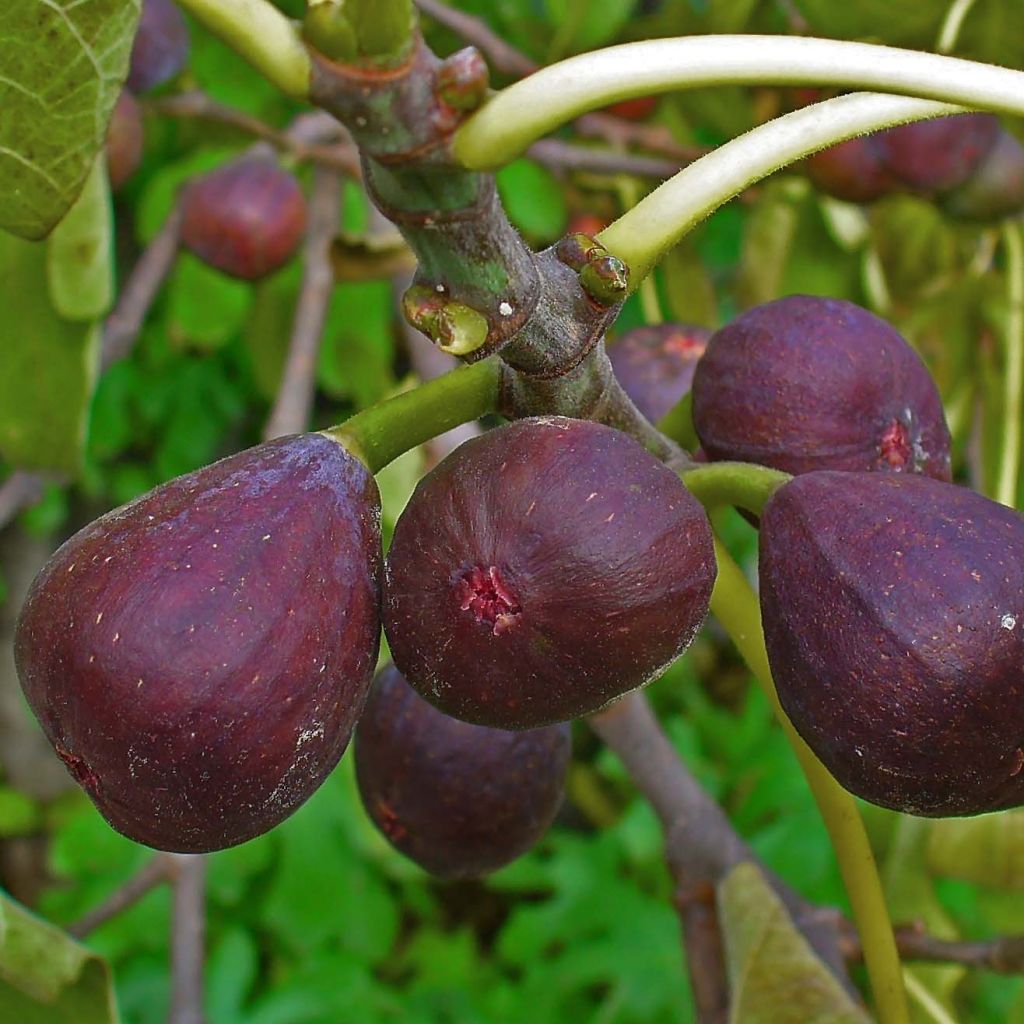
[
  {"x": 124, "y": 140},
  {"x": 996, "y": 188},
  {"x": 199, "y": 657},
  {"x": 541, "y": 571},
  {"x": 655, "y": 364},
  {"x": 932, "y": 157},
  {"x": 806, "y": 383},
  {"x": 461, "y": 800},
  {"x": 246, "y": 218},
  {"x": 894, "y": 618},
  {"x": 161, "y": 46},
  {"x": 853, "y": 170}
]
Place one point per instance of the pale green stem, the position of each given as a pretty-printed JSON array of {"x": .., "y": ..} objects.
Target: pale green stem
[
  {"x": 259, "y": 32},
  {"x": 735, "y": 605},
  {"x": 644, "y": 234},
  {"x": 1013, "y": 366},
  {"x": 924, "y": 999},
  {"x": 951, "y": 25},
  {"x": 734, "y": 483},
  {"x": 536, "y": 105},
  {"x": 629, "y": 196}
]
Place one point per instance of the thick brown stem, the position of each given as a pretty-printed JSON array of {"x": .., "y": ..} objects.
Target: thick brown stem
[
  {"x": 188, "y": 938},
  {"x": 705, "y": 955}
]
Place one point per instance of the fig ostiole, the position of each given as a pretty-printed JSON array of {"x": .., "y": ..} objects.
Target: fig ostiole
[{"x": 198, "y": 657}]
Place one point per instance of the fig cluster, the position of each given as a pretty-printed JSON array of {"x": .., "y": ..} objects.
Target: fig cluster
[{"x": 969, "y": 162}]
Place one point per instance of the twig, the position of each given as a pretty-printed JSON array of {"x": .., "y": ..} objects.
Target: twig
[
  {"x": 566, "y": 156},
  {"x": 705, "y": 956},
  {"x": 476, "y": 31},
  {"x": 295, "y": 395},
  {"x": 157, "y": 870},
  {"x": 329, "y": 146},
  {"x": 124, "y": 322},
  {"x": 188, "y": 935},
  {"x": 18, "y": 491},
  {"x": 700, "y": 842}
]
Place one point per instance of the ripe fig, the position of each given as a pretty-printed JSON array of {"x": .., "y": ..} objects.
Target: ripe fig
[
  {"x": 541, "y": 571},
  {"x": 805, "y": 383},
  {"x": 199, "y": 657},
  {"x": 161, "y": 47},
  {"x": 124, "y": 139},
  {"x": 996, "y": 188},
  {"x": 460, "y": 800},
  {"x": 853, "y": 170},
  {"x": 245, "y": 218},
  {"x": 894, "y": 618},
  {"x": 932, "y": 157},
  {"x": 655, "y": 364}
]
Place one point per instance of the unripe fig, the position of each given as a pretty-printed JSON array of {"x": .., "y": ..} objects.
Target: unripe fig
[
  {"x": 894, "y": 618},
  {"x": 853, "y": 170},
  {"x": 161, "y": 45},
  {"x": 655, "y": 364},
  {"x": 541, "y": 571},
  {"x": 460, "y": 800},
  {"x": 805, "y": 383},
  {"x": 199, "y": 657},
  {"x": 932, "y": 157},
  {"x": 245, "y": 218},
  {"x": 124, "y": 139},
  {"x": 996, "y": 188}
]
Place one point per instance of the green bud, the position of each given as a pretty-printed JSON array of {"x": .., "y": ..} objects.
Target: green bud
[
  {"x": 327, "y": 29},
  {"x": 606, "y": 280},
  {"x": 578, "y": 249}
]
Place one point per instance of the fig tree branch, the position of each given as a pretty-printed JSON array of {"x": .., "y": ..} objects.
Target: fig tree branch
[
  {"x": 566, "y": 156},
  {"x": 157, "y": 870},
  {"x": 294, "y": 401},
  {"x": 18, "y": 491},
  {"x": 1003, "y": 954},
  {"x": 474, "y": 30},
  {"x": 188, "y": 938}
]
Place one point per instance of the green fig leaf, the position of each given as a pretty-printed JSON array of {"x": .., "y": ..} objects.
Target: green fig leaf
[
  {"x": 48, "y": 978},
  {"x": 987, "y": 850},
  {"x": 47, "y": 366},
  {"x": 774, "y": 975},
  {"x": 64, "y": 62}
]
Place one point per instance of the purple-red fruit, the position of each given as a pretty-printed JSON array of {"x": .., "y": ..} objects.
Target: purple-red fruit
[
  {"x": 655, "y": 364},
  {"x": 160, "y": 49},
  {"x": 894, "y": 618},
  {"x": 932, "y": 157},
  {"x": 853, "y": 171},
  {"x": 806, "y": 383},
  {"x": 996, "y": 188},
  {"x": 199, "y": 657},
  {"x": 124, "y": 139},
  {"x": 460, "y": 800},
  {"x": 541, "y": 571},
  {"x": 246, "y": 218}
]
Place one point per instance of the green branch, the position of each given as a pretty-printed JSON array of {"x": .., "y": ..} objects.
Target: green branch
[
  {"x": 380, "y": 434},
  {"x": 550, "y": 97},
  {"x": 734, "y": 483},
  {"x": 735, "y": 605},
  {"x": 259, "y": 32},
  {"x": 1013, "y": 366},
  {"x": 641, "y": 236}
]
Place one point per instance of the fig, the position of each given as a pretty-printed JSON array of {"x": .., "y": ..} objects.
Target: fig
[
  {"x": 996, "y": 188},
  {"x": 124, "y": 139},
  {"x": 806, "y": 383},
  {"x": 542, "y": 570},
  {"x": 460, "y": 800},
  {"x": 198, "y": 657},
  {"x": 932, "y": 157},
  {"x": 246, "y": 218},
  {"x": 160, "y": 49},
  {"x": 853, "y": 171},
  {"x": 655, "y": 364},
  {"x": 894, "y": 619}
]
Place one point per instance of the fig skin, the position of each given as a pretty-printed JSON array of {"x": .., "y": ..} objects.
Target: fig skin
[
  {"x": 806, "y": 383},
  {"x": 198, "y": 658},
  {"x": 996, "y": 188},
  {"x": 246, "y": 218},
  {"x": 460, "y": 800},
  {"x": 655, "y": 364},
  {"x": 161, "y": 46},
  {"x": 932, "y": 157},
  {"x": 853, "y": 171},
  {"x": 541, "y": 571},
  {"x": 124, "y": 140},
  {"x": 894, "y": 620}
]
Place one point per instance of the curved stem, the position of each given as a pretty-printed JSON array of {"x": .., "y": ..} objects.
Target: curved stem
[
  {"x": 677, "y": 423},
  {"x": 734, "y": 483},
  {"x": 642, "y": 235},
  {"x": 380, "y": 434},
  {"x": 550, "y": 97},
  {"x": 1013, "y": 368},
  {"x": 259, "y": 32},
  {"x": 735, "y": 605},
  {"x": 951, "y": 25}
]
